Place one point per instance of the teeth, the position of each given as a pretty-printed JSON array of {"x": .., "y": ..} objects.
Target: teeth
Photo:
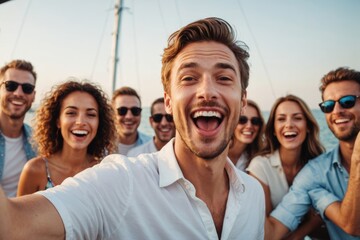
[
  {"x": 247, "y": 133},
  {"x": 341, "y": 120},
  {"x": 207, "y": 114},
  {"x": 81, "y": 132},
  {"x": 289, "y": 133},
  {"x": 17, "y": 102}
]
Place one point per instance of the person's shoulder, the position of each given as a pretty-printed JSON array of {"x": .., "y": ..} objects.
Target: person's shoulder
[
  {"x": 144, "y": 137},
  {"x": 143, "y": 148},
  {"x": 323, "y": 159},
  {"x": 35, "y": 166}
]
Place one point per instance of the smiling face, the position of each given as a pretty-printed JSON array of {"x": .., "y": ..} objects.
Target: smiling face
[
  {"x": 164, "y": 130},
  {"x": 127, "y": 124},
  {"x": 290, "y": 125},
  {"x": 246, "y": 133},
  {"x": 78, "y": 120},
  {"x": 16, "y": 104},
  {"x": 204, "y": 98},
  {"x": 344, "y": 123}
]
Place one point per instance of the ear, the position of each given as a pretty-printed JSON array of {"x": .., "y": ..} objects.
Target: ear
[
  {"x": 243, "y": 103},
  {"x": 167, "y": 103}
]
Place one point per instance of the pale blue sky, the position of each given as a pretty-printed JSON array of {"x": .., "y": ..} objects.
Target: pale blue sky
[{"x": 292, "y": 43}]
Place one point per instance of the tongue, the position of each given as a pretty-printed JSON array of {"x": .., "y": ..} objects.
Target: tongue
[{"x": 207, "y": 124}]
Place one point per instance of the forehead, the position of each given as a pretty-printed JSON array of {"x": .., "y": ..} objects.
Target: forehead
[
  {"x": 159, "y": 108},
  {"x": 126, "y": 101},
  {"x": 288, "y": 107},
  {"x": 250, "y": 111},
  {"x": 20, "y": 76},
  {"x": 336, "y": 90},
  {"x": 206, "y": 54},
  {"x": 80, "y": 100}
]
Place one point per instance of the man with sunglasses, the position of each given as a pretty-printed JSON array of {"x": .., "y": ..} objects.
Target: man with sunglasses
[
  {"x": 17, "y": 83},
  {"x": 329, "y": 183},
  {"x": 127, "y": 106},
  {"x": 163, "y": 126}
]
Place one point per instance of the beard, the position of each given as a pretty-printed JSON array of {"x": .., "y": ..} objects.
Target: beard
[{"x": 349, "y": 135}]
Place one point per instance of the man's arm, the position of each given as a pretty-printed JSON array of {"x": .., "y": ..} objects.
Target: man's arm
[
  {"x": 346, "y": 214},
  {"x": 29, "y": 216},
  {"x": 274, "y": 229}
]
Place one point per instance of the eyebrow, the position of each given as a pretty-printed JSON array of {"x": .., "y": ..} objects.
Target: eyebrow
[
  {"x": 75, "y": 108},
  {"x": 218, "y": 65}
]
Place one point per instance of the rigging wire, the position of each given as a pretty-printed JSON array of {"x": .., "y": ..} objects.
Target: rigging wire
[
  {"x": 100, "y": 41},
  {"x": 136, "y": 51},
  {"x": 178, "y": 12},
  {"x": 162, "y": 18},
  {"x": 21, "y": 28},
  {"x": 258, "y": 49}
]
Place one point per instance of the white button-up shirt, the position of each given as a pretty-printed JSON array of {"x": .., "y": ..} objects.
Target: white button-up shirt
[{"x": 149, "y": 198}]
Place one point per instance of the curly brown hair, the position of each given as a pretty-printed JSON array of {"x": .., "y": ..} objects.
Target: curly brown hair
[{"x": 46, "y": 136}]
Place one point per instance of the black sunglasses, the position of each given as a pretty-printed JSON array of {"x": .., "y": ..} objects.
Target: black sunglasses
[
  {"x": 254, "y": 120},
  {"x": 158, "y": 117},
  {"x": 134, "y": 110},
  {"x": 345, "y": 102},
  {"x": 11, "y": 86}
]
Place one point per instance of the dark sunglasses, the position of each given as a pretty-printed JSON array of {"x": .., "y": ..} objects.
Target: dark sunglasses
[
  {"x": 158, "y": 117},
  {"x": 11, "y": 86},
  {"x": 345, "y": 102},
  {"x": 254, "y": 120},
  {"x": 122, "y": 111}
]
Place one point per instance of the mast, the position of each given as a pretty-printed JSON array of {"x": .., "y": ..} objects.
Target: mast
[{"x": 114, "y": 49}]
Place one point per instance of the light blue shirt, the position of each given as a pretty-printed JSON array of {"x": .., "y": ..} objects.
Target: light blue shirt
[
  {"x": 29, "y": 152},
  {"x": 321, "y": 181}
]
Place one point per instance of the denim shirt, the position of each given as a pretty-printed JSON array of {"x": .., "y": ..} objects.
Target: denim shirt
[
  {"x": 320, "y": 182},
  {"x": 29, "y": 152},
  {"x": 142, "y": 138}
]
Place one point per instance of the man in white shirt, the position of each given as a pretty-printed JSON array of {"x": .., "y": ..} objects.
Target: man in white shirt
[
  {"x": 189, "y": 189},
  {"x": 17, "y": 84},
  {"x": 163, "y": 126}
]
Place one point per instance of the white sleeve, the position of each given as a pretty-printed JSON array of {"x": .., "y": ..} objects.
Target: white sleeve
[{"x": 93, "y": 203}]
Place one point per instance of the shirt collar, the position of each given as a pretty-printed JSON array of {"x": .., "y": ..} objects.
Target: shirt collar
[
  {"x": 275, "y": 159},
  {"x": 170, "y": 172}
]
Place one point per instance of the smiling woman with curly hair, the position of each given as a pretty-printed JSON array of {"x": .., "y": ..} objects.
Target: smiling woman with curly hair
[{"x": 73, "y": 130}]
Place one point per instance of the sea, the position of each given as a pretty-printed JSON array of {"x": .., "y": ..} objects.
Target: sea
[{"x": 326, "y": 136}]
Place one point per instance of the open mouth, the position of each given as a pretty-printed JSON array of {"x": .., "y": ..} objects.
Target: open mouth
[
  {"x": 342, "y": 120},
  {"x": 247, "y": 133},
  {"x": 80, "y": 133},
  {"x": 207, "y": 120},
  {"x": 17, "y": 103},
  {"x": 290, "y": 135}
]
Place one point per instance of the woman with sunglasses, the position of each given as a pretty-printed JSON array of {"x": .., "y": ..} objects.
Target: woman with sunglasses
[
  {"x": 248, "y": 136},
  {"x": 291, "y": 140},
  {"x": 74, "y": 129}
]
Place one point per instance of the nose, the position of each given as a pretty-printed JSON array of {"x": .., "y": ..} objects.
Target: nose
[
  {"x": 337, "y": 108},
  {"x": 207, "y": 89},
  {"x": 18, "y": 91},
  {"x": 80, "y": 119}
]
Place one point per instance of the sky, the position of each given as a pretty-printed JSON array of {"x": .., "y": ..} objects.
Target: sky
[{"x": 292, "y": 44}]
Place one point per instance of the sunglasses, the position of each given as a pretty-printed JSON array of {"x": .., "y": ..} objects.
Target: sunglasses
[
  {"x": 122, "y": 111},
  {"x": 11, "y": 86},
  {"x": 254, "y": 120},
  {"x": 345, "y": 102},
  {"x": 158, "y": 117}
]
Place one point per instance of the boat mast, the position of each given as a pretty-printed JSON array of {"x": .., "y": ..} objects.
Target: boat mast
[{"x": 114, "y": 49}]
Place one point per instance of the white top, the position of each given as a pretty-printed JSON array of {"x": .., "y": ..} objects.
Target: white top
[
  {"x": 148, "y": 147},
  {"x": 242, "y": 162},
  {"x": 149, "y": 198},
  {"x": 270, "y": 171},
  {"x": 15, "y": 159}
]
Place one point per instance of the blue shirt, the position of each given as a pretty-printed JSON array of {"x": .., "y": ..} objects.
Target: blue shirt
[
  {"x": 29, "y": 152},
  {"x": 320, "y": 182}
]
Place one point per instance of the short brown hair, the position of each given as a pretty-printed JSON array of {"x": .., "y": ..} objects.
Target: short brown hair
[
  {"x": 208, "y": 29},
  {"x": 340, "y": 74},
  {"x": 20, "y": 65},
  {"x": 125, "y": 91}
]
